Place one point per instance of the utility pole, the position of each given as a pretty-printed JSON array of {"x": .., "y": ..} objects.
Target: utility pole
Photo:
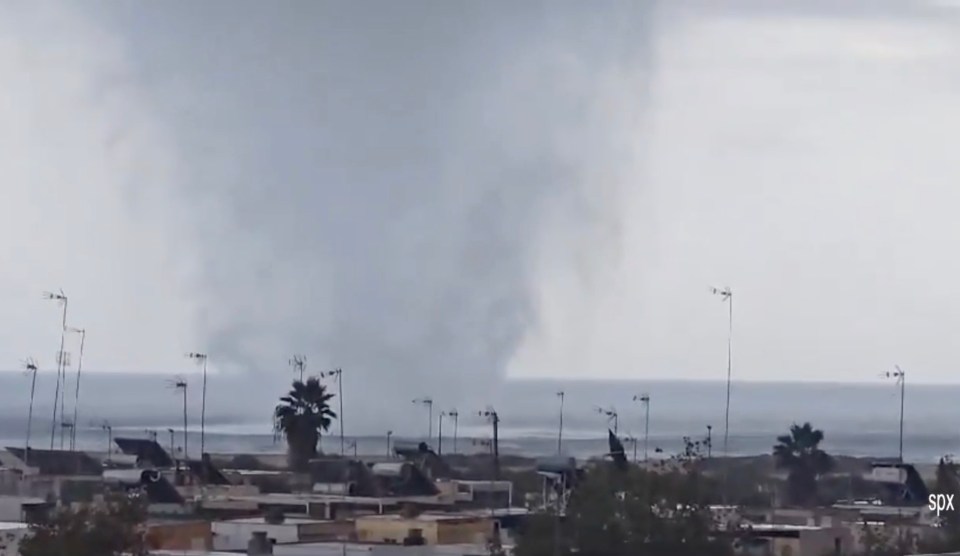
[
  {"x": 62, "y": 300},
  {"x": 337, "y": 374},
  {"x": 173, "y": 447},
  {"x": 201, "y": 358},
  {"x": 560, "y": 395},
  {"x": 709, "y": 441},
  {"x": 76, "y": 392},
  {"x": 389, "y": 435}
]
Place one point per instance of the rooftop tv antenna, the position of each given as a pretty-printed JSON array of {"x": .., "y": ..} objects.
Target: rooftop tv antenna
[
  {"x": 201, "y": 359},
  {"x": 30, "y": 369},
  {"x": 299, "y": 363},
  {"x": 61, "y": 299}
]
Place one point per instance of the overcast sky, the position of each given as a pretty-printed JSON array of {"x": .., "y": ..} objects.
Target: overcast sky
[{"x": 465, "y": 191}]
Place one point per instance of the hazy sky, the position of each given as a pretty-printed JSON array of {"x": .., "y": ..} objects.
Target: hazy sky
[{"x": 462, "y": 191}]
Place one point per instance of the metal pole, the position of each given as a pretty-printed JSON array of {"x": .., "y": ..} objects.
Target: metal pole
[
  {"x": 33, "y": 388},
  {"x": 430, "y": 420},
  {"x": 726, "y": 417},
  {"x": 340, "y": 395},
  {"x": 389, "y": 434},
  {"x": 440, "y": 436},
  {"x": 903, "y": 390},
  {"x": 646, "y": 430},
  {"x": 76, "y": 392},
  {"x": 456, "y": 419},
  {"x": 709, "y": 441},
  {"x": 560, "y": 432},
  {"x": 56, "y": 396},
  {"x": 186, "y": 456},
  {"x": 203, "y": 408}
]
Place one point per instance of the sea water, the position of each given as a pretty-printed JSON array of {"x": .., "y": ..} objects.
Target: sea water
[{"x": 857, "y": 419}]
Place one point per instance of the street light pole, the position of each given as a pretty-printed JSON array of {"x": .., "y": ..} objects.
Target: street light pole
[
  {"x": 726, "y": 294},
  {"x": 560, "y": 395},
  {"x": 181, "y": 384},
  {"x": 645, "y": 400},
  {"x": 440, "y": 434},
  {"x": 76, "y": 392},
  {"x": 456, "y": 417},
  {"x": 31, "y": 368},
  {"x": 901, "y": 378},
  {"x": 428, "y": 402},
  {"x": 62, "y": 299}
]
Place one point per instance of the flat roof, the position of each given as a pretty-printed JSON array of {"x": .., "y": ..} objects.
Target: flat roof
[
  {"x": 260, "y": 520},
  {"x": 781, "y": 527},
  {"x": 422, "y": 517},
  {"x": 12, "y": 525}
]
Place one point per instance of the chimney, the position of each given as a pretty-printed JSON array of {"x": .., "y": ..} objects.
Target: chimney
[{"x": 259, "y": 545}]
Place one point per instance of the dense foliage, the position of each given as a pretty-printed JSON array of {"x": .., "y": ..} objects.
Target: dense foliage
[
  {"x": 303, "y": 415},
  {"x": 800, "y": 454},
  {"x": 612, "y": 512},
  {"x": 111, "y": 528}
]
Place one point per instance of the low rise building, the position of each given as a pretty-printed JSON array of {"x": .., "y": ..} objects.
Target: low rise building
[
  {"x": 770, "y": 539},
  {"x": 11, "y": 533},
  {"x": 234, "y": 534},
  {"x": 431, "y": 529}
]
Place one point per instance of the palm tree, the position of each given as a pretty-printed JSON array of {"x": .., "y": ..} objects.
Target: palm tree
[
  {"x": 303, "y": 415},
  {"x": 800, "y": 454}
]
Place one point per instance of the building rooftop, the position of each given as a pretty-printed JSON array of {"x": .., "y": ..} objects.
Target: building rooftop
[
  {"x": 781, "y": 527},
  {"x": 423, "y": 517},
  {"x": 260, "y": 520},
  {"x": 12, "y": 525}
]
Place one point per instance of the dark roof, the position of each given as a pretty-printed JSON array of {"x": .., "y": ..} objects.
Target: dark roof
[
  {"x": 207, "y": 472},
  {"x": 58, "y": 462},
  {"x": 147, "y": 451}
]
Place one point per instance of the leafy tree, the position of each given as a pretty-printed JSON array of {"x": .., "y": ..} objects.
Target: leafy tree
[
  {"x": 111, "y": 528},
  {"x": 656, "y": 512},
  {"x": 800, "y": 454},
  {"x": 303, "y": 415},
  {"x": 947, "y": 482}
]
